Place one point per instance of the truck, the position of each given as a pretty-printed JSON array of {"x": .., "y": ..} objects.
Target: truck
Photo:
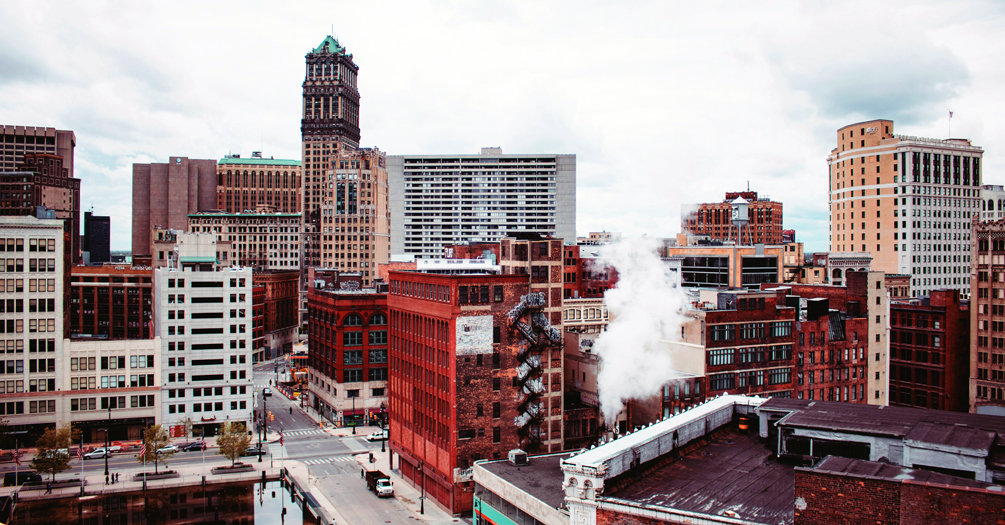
[{"x": 379, "y": 482}]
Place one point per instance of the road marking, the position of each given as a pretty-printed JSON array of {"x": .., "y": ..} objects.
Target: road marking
[{"x": 321, "y": 461}]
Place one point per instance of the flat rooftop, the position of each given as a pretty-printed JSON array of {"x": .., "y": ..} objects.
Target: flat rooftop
[
  {"x": 872, "y": 469},
  {"x": 732, "y": 472},
  {"x": 542, "y": 477},
  {"x": 930, "y": 426}
]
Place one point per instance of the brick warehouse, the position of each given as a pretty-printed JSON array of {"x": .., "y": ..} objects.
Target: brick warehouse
[
  {"x": 467, "y": 381},
  {"x": 113, "y": 302}
]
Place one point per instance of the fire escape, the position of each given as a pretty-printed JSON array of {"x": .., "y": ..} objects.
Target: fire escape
[{"x": 528, "y": 318}]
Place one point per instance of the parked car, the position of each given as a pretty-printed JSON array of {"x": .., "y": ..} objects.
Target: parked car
[
  {"x": 21, "y": 477},
  {"x": 379, "y": 435},
  {"x": 115, "y": 447},
  {"x": 267, "y": 392},
  {"x": 193, "y": 446},
  {"x": 167, "y": 448},
  {"x": 97, "y": 453},
  {"x": 254, "y": 450}
]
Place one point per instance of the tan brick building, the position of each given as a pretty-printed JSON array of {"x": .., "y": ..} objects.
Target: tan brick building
[
  {"x": 907, "y": 201},
  {"x": 987, "y": 318},
  {"x": 248, "y": 183}
]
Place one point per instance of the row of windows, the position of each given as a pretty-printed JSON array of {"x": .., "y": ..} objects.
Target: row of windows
[
  {"x": 727, "y": 332},
  {"x": 745, "y": 378},
  {"x": 34, "y": 285},
  {"x": 34, "y": 265},
  {"x": 207, "y": 407}
]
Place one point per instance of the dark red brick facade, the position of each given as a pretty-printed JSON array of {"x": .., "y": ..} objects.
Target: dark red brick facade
[
  {"x": 930, "y": 352},
  {"x": 826, "y": 498}
]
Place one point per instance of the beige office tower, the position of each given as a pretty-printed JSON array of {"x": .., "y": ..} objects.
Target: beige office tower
[
  {"x": 354, "y": 217},
  {"x": 906, "y": 200}
]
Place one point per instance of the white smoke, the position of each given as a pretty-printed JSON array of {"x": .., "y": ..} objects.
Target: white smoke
[{"x": 644, "y": 308}]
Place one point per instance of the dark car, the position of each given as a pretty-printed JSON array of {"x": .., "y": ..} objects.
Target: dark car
[
  {"x": 193, "y": 446},
  {"x": 254, "y": 450},
  {"x": 20, "y": 478}
]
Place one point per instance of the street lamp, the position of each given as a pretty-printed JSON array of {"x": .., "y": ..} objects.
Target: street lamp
[
  {"x": 354, "y": 415},
  {"x": 108, "y": 431},
  {"x": 383, "y": 409},
  {"x": 422, "y": 500}
]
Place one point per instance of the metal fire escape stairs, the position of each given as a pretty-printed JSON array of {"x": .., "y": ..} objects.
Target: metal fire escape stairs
[{"x": 528, "y": 318}]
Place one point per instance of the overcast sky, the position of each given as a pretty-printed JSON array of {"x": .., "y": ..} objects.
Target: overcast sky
[{"x": 662, "y": 102}]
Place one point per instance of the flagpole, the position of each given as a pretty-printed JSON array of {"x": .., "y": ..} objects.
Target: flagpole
[
  {"x": 950, "y": 124},
  {"x": 80, "y": 456},
  {"x": 17, "y": 463}
]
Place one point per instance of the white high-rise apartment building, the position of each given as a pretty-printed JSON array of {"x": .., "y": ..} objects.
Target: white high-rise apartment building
[
  {"x": 204, "y": 321},
  {"x": 908, "y": 201},
  {"x": 450, "y": 199}
]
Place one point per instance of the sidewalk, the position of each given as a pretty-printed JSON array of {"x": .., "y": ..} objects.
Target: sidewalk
[
  {"x": 188, "y": 476},
  {"x": 407, "y": 494}
]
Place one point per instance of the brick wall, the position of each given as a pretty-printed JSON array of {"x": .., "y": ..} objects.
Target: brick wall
[
  {"x": 832, "y": 499},
  {"x": 607, "y": 517},
  {"x": 835, "y": 499}
]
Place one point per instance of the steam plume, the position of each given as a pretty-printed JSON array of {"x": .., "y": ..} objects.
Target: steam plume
[{"x": 644, "y": 308}]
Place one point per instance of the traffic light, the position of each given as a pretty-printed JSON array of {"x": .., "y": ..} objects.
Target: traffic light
[{"x": 271, "y": 417}]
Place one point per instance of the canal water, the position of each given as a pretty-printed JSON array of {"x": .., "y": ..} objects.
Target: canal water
[{"x": 235, "y": 504}]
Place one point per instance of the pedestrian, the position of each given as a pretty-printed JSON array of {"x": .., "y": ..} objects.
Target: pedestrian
[
  {"x": 291, "y": 410},
  {"x": 48, "y": 487},
  {"x": 106, "y": 479}
]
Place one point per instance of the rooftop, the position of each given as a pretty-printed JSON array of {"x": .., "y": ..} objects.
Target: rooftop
[
  {"x": 876, "y": 470},
  {"x": 731, "y": 472},
  {"x": 257, "y": 161},
  {"x": 329, "y": 45},
  {"x": 919, "y": 424},
  {"x": 540, "y": 477}
]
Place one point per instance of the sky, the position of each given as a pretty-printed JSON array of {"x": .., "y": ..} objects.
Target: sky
[{"x": 663, "y": 103}]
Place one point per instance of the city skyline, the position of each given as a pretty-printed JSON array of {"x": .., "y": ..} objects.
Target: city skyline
[{"x": 670, "y": 84}]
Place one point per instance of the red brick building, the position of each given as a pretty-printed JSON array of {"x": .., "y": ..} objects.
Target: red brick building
[
  {"x": 113, "y": 302},
  {"x": 44, "y": 180},
  {"x": 713, "y": 219},
  {"x": 749, "y": 340},
  {"x": 347, "y": 348},
  {"x": 469, "y": 380},
  {"x": 585, "y": 276},
  {"x": 930, "y": 352}
]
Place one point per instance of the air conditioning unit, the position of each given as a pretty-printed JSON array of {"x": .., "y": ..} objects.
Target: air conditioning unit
[{"x": 517, "y": 458}]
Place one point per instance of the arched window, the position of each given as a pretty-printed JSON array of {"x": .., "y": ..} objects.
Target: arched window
[
  {"x": 353, "y": 320},
  {"x": 378, "y": 319},
  {"x": 836, "y": 273}
]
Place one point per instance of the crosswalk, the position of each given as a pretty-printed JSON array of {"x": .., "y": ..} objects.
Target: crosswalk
[
  {"x": 321, "y": 461},
  {"x": 313, "y": 432}
]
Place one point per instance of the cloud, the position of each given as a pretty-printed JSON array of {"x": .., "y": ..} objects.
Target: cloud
[{"x": 858, "y": 63}]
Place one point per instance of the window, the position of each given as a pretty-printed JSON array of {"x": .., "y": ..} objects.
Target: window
[
  {"x": 498, "y": 294},
  {"x": 352, "y": 338},
  {"x": 352, "y": 357},
  {"x": 378, "y": 356},
  {"x": 377, "y": 337},
  {"x": 496, "y": 410},
  {"x": 496, "y": 384},
  {"x": 378, "y": 374},
  {"x": 721, "y": 381},
  {"x": 352, "y": 375},
  {"x": 496, "y": 435},
  {"x": 720, "y": 356}
]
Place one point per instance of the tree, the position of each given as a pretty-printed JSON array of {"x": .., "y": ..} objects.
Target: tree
[
  {"x": 233, "y": 441},
  {"x": 53, "y": 454},
  {"x": 156, "y": 439}
]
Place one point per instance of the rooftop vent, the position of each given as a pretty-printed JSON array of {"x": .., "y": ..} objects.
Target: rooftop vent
[{"x": 517, "y": 458}]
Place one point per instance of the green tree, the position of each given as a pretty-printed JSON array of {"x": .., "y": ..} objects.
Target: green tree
[
  {"x": 53, "y": 454},
  {"x": 233, "y": 441},
  {"x": 156, "y": 438}
]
